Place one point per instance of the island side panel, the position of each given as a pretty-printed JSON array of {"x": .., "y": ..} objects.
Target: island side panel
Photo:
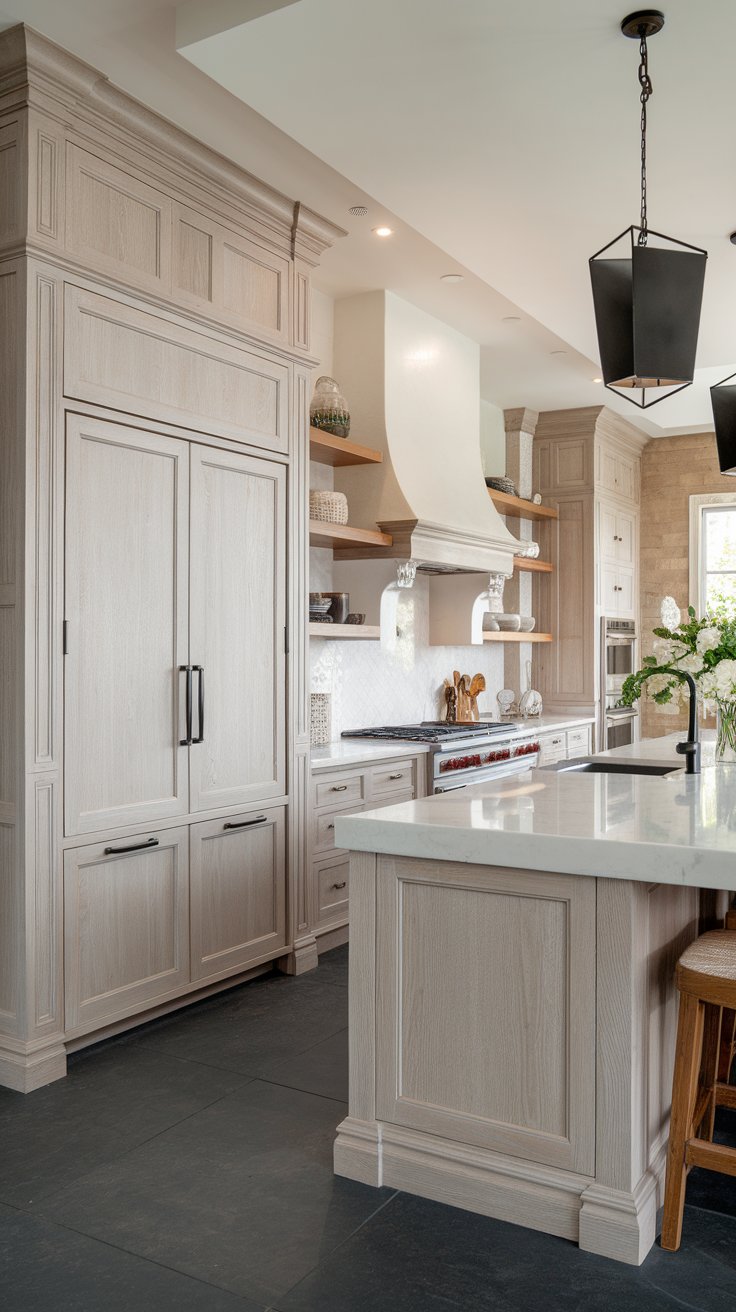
[{"x": 641, "y": 931}]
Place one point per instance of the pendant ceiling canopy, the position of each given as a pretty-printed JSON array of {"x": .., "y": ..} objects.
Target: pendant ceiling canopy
[{"x": 647, "y": 294}]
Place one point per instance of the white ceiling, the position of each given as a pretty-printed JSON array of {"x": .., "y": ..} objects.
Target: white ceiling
[{"x": 497, "y": 139}]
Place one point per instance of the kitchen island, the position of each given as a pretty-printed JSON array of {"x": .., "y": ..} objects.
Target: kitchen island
[{"x": 512, "y": 1005}]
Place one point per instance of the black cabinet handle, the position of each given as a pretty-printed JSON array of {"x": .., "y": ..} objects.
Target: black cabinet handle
[
  {"x": 186, "y": 742},
  {"x": 339, "y": 788},
  {"x": 342, "y": 885},
  {"x": 200, "y": 703},
  {"x": 242, "y": 824},
  {"x": 400, "y": 775},
  {"x": 135, "y": 847}
]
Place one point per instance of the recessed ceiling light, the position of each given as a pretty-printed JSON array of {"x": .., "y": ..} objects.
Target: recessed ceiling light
[
  {"x": 451, "y": 277},
  {"x": 597, "y": 380},
  {"x": 383, "y": 232},
  {"x": 511, "y": 318},
  {"x": 359, "y": 211}
]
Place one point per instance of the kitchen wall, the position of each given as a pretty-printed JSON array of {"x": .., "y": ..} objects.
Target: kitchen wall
[
  {"x": 368, "y": 685},
  {"x": 672, "y": 470}
]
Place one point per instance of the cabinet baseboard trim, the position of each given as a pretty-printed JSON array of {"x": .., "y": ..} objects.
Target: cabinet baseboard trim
[
  {"x": 302, "y": 958},
  {"x": 25, "y": 1071},
  {"x": 477, "y": 1180}
]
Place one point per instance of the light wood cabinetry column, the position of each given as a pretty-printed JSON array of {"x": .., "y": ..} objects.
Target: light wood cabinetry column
[
  {"x": 154, "y": 308},
  {"x": 520, "y": 426}
]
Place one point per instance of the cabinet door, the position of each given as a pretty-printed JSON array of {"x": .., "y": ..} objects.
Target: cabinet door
[
  {"x": 127, "y": 500},
  {"x": 625, "y": 594},
  {"x": 237, "y": 609},
  {"x": 607, "y": 469},
  {"x": 609, "y": 589},
  {"x": 126, "y": 918},
  {"x": 625, "y": 538},
  {"x": 626, "y": 477},
  {"x": 609, "y": 533},
  {"x": 238, "y": 892}
]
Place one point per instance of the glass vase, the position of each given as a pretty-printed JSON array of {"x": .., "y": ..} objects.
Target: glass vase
[{"x": 725, "y": 732}]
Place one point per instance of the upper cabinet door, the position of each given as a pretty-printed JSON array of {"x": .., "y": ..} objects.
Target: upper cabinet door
[
  {"x": 127, "y": 496},
  {"x": 237, "y": 599}
]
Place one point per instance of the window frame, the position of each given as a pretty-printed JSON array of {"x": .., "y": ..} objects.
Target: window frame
[{"x": 699, "y": 503}]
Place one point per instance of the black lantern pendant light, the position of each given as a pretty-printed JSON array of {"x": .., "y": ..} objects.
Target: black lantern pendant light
[
  {"x": 647, "y": 300},
  {"x": 723, "y": 400}
]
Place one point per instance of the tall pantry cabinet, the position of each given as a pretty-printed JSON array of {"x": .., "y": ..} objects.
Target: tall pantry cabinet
[{"x": 154, "y": 312}]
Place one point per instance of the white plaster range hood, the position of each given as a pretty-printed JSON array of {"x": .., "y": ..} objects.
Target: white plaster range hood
[{"x": 413, "y": 388}]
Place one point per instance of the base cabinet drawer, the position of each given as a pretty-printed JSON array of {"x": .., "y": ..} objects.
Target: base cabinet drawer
[
  {"x": 238, "y": 891},
  {"x": 323, "y": 834},
  {"x": 339, "y": 790},
  {"x": 393, "y": 800},
  {"x": 552, "y": 748},
  {"x": 396, "y": 778},
  {"x": 331, "y": 881},
  {"x": 578, "y": 743},
  {"x": 126, "y": 926}
]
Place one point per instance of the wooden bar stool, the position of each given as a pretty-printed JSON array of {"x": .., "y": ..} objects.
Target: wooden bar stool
[{"x": 706, "y": 979}]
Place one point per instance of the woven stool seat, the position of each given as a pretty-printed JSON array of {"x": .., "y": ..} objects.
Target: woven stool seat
[{"x": 707, "y": 969}]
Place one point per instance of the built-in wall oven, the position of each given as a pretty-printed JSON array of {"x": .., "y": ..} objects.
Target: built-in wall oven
[{"x": 619, "y": 725}]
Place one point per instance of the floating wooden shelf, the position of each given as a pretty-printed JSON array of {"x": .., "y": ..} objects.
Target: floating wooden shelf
[
  {"x": 519, "y": 507},
  {"x": 517, "y": 637},
  {"x": 341, "y": 535},
  {"x": 353, "y": 631},
  {"x": 536, "y": 566},
  {"x": 327, "y": 449}
]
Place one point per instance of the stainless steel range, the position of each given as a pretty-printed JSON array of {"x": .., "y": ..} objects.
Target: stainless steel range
[{"x": 462, "y": 754}]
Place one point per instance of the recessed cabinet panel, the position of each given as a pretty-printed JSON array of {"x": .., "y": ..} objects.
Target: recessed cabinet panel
[
  {"x": 125, "y": 358},
  {"x": 237, "y": 595},
  {"x": 127, "y": 505},
  {"x": 238, "y": 891},
  {"x": 126, "y": 916},
  {"x": 115, "y": 221},
  {"x": 522, "y": 947}
]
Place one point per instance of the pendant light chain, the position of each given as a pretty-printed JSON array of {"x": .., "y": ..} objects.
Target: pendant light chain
[{"x": 645, "y": 82}]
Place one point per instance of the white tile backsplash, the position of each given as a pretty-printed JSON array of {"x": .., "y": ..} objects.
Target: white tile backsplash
[{"x": 370, "y": 685}]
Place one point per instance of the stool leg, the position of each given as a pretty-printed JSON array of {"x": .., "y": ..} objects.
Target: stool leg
[
  {"x": 688, "y": 1053},
  {"x": 728, "y": 1031},
  {"x": 709, "y": 1067}
]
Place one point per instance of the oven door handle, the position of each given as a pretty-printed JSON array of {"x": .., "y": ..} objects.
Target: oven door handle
[{"x": 622, "y": 713}]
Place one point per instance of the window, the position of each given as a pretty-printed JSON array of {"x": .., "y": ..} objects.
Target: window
[{"x": 713, "y": 552}]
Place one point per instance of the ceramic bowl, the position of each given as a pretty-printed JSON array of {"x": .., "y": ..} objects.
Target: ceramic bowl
[
  {"x": 526, "y": 624},
  {"x": 508, "y": 623},
  {"x": 355, "y": 617}
]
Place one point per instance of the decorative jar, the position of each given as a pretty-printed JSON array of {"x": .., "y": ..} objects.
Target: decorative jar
[
  {"x": 329, "y": 409},
  {"x": 725, "y": 732}
]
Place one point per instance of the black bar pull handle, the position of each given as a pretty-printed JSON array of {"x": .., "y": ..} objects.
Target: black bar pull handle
[
  {"x": 200, "y": 703},
  {"x": 243, "y": 824},
  {"x": 187, "y": 669},
  {"x": 135, "y": 847}
]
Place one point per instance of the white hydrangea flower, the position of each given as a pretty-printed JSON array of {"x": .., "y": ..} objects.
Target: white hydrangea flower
[
  {"x": 667, "y": 651},
  {"x": 707, "y": 640}
]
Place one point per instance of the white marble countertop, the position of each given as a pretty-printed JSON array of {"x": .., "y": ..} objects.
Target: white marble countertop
[
  {"x": 361, "y": 751},
  {"x": 365, "y": 751},
  {"x": 674, "y": 829}
]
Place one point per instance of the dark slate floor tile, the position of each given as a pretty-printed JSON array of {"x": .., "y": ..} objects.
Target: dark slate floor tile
[
  {"x": 419, "y": 1256},
  {"x": 111, "y": 1101},
  {"x": 333, "y": 967},
  {"x": 322, "y": 1069},
  {"x": 252, "y": 1027},
  {"x": 242, "y": 1194},
  {"x": 44, "y": 1267}
]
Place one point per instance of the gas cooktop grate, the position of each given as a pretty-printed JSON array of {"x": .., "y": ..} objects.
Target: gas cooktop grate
[{"x": 429, "y": 731}]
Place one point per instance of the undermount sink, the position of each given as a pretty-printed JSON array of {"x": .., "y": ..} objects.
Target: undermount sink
[{"x": 589, "y": 765}]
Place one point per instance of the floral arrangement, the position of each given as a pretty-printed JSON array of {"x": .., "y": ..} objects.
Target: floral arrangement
[{"x": 703, "y": 648}]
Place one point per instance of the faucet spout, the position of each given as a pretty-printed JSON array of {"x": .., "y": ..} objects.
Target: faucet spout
[{"x": 690, "y": 749}]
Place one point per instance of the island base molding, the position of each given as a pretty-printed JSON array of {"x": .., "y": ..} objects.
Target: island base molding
[
  {"x": 28, "y": 1066},
  {"x": 491, "y": 1184}
]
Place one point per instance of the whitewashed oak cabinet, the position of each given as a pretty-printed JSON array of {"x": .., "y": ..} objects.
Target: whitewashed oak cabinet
[{"x": 154, "y": 761}]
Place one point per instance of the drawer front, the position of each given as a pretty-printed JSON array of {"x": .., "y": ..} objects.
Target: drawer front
[
  {"x": 578, "y": 743},
  {"x": 392, "y": 800},
  {"x": 339, "y": 790},
  {"x": 332, "y": 881},
  {"x": 552, "y": 748},
  {"x": 397, "y": 778},
  {"x": 126, "y": 926},
  {"x": 238, "y": 891},
  {"x": 324, "y": 827}
]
